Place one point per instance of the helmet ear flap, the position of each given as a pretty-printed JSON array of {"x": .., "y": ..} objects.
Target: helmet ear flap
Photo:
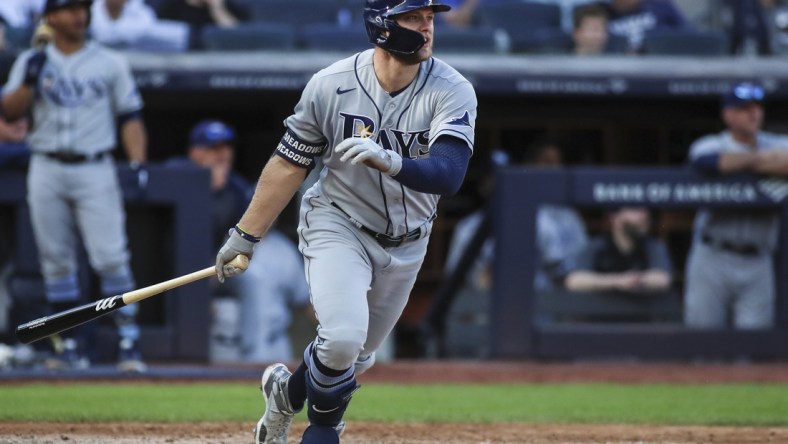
[
  {"x": 402, "y": 40},
  {"x": 384, "y": 32}
]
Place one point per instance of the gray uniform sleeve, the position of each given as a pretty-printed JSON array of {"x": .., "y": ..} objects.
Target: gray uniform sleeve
[
  {"x": 125, "y": 94},
  {"x": 711, "y": 144},
  {"x": 304, "y": 123},
  {"x": 17, "y": 73},
  {"x": 456, "y": 114}
]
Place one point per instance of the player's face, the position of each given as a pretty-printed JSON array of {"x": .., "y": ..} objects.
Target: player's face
[
  {"x": 745, "y": 120},
  {"x": 421, "y": 21},
  {"x": 218, "y": 158},
  {"x": 70, "y": 22}
]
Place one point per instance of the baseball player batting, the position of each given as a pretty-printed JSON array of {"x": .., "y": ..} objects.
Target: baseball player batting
[
  {"x": 394, "y": 127},
  {"x": 77, "y": 91}
]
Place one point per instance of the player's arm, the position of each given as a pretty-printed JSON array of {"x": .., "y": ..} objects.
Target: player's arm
[
  {"x": 19, "y": 92},
  {"x": 282, "y": 176},
  {"x": 277, "y": 185},
  {"x": 134, "y": 137},
  {"x": 16, "y": 104},
  {"x": 442, "y": 173},
  {"x": 771, "y": 162}
]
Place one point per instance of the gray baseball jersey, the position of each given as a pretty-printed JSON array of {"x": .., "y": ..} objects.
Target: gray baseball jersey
[
  {"x": 735, "y": 226},
  {"x": 77, "y": 99},
  {"x": 719, "y": 280},
  {"x": 345, "y": 100},
  {"x": 357, "y": 311}
]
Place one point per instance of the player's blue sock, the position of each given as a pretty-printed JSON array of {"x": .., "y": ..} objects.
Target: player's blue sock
[
  {"x": 296, "y": 387},
  {"x": 328, "y": 392}
]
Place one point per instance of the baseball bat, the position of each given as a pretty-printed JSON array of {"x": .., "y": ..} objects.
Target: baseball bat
[{"x": 64, "y": 320}]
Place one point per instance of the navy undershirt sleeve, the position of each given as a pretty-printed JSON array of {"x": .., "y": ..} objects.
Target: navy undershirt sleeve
[
  {"x": 708, "y": 163},
  {"x": 134, "y": 115},
  {"x": 442, "y": 173}
]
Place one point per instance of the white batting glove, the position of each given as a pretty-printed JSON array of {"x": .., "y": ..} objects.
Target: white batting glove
[
  {"x": 364, "y": 149},
  {"x": 234, "y": 246}
]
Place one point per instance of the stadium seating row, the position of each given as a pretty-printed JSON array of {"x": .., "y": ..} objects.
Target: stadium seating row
[{"x": 513, "y": 27}]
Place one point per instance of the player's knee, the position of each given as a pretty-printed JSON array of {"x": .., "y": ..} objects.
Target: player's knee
[
  {"x": 341, "y": 349},
  {"x": 363, "y": 364}
]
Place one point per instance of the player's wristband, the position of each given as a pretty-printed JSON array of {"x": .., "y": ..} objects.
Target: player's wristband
[{"x": 246, "y": 236}]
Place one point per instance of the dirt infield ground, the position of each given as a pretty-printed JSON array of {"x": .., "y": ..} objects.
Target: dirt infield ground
[{"x": 427, "y": 372}]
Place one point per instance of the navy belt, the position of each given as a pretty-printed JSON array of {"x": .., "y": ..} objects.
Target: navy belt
[
  {"x": 744, "y": 249},
  {"x": 71, "y": 157},
  {"x": 384, "y": 240}
]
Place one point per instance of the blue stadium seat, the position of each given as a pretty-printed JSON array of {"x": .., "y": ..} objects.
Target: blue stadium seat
[
  {"x": 295, "y": 12},
  {"x": 685, "y": 43},
  {"x": 251, "y": 36},
  {"x": 522, "y": 21},
  {"x": 468, "y": 40},
  {"x": 332, "y": 37}
]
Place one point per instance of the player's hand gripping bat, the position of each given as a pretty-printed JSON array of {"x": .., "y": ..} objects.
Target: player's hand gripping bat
[{"x": 49, "y": 325}]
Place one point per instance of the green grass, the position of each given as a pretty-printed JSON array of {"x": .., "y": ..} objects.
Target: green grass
[{"x": 730, "y": 404}]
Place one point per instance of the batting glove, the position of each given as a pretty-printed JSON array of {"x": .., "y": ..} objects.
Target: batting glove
[
  {"x": 35, "y": 64},
  {"x": 139, "y": 170},
  {"x": 364, "y": 149},
  {"x": 239, "y": 242}
]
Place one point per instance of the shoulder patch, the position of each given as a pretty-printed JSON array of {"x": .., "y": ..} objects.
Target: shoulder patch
[{"x": 464, "y": 120}]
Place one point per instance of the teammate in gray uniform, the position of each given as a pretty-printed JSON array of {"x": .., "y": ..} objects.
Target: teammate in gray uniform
[
  {"x": 395, "y": 130},
  {"x": 730, "y": 269},
  {"x": 75, "y": 90}
]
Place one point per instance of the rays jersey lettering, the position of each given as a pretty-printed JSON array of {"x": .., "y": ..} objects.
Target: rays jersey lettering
[
  {"x": 412, "y": 144},
  {"x": 70, "y": 92},
  {"x": 79, "y": 97}
]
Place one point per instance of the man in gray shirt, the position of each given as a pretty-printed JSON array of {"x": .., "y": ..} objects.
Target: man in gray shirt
[{"x": 730, "y": 270}]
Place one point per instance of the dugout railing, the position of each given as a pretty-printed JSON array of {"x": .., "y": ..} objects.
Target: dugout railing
[{"x": 515, "y": 331}]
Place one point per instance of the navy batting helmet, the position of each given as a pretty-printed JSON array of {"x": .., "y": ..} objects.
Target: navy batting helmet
[
  {"x": 378, "y": 18},
  {"x": 53, "y": 5}
]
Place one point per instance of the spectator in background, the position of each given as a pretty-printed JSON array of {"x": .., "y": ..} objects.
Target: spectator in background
[
  {"x": 730, "y": 269},
  {"x": 560, "y": 231},
  {"x": 626, "y": 259},
  {"x": 131, "y": 24},
  {"x": 633, "y": 19},
  {"x": 200, "y": 13},
  {"x": 275, "y": 280},
  {"x": 7, "y": 54},
  {"x": 751, "y": 33},
  {"x": 589, "y": 34},
  {"x": 568, "y": 8},
  {"x": 776, "y": 12},
  {"x": 21, "y": 13}
]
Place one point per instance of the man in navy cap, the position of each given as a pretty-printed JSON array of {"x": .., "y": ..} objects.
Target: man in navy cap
[
  {"x": 730, "y": 276},
  {"x": 273, "y": 285}
]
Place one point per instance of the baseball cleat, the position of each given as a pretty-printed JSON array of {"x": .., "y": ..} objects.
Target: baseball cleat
[
  {"x": 129, "y": 357},
  {"x": 274, "y": 426}
]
